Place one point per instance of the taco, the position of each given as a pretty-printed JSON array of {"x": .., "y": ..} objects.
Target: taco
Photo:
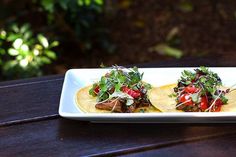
[
  {"x": 198, "y": 91},
  {"x": 121, "y": 90}
]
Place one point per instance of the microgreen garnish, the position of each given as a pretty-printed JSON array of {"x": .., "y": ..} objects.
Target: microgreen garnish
[
  {"x": 118, "y": 80},
  {"x": 199, "y": 91}
]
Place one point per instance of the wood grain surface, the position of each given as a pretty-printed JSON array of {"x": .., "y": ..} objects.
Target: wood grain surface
[{"x": 30, "y": 126}]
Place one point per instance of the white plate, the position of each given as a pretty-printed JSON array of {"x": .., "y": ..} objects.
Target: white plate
[{"x": 78, "y": 78}]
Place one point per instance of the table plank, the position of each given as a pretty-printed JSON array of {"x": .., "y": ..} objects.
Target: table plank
[
  {"x": 61, "y": 137},
  {"x": 215, "y": 147},
  {"x": 32, "y": 99}
]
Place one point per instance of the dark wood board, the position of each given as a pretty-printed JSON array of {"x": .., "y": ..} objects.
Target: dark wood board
[
  {"x": 29, "y": 99},
  {"x": 61, "y": 137},
  {"x": 30, "y": 125},
  {"x": 216, "y": 147}
]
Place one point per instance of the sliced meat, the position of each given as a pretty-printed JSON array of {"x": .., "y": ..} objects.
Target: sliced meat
[
  {"x": 114, "y": 105},
  {"x": 131, "y": 108}
]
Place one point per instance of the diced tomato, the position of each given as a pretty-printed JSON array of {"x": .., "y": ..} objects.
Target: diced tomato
[
  {"x": 218, "y": 108},
  {"x": 218, "y": 105},
  {"x": 96, "y": 89},
  {"x": 186, "y": 99},
  {"x": 191, "y": 89},
  {"x": 131, "y": 92},
  {"x": 203, "y": 104},
  {"x": 219, "y": 102}
]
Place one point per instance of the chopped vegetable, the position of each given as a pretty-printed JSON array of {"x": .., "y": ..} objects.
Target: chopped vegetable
[{"x": 199, "y": 91}]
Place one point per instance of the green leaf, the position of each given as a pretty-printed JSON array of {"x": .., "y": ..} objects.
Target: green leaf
[
  {"x": 51, "y": 54},
  {"x": 195, "y": 97},
  {"x": 3, "y": 34},
  {"x": 117, "y": 87},
  {"x": 13, "y": 52},
  {"x": 147, "y": 86},
  {"x": 24, "y": 47},
  {"x": 43, "y": 40},
  {"x": 48, "y": 5},
  {"x": 38, "y": 47},
  {"x": 99, "y": 2},
  {"x": 17, "y": 43},
  {"x": 45, "y": 60},
  {"x": 167, "y": 50},
  {"x": 224, "y": 100},
  {"x": 80, "y": 2},
  {"x": 54, "y": 44},
  {"x": 2, "y": 51},
  {"x": 24, "y": 28},
  {"x": 87, "y": 2},
  {"x": 204, "y": 69},
  {"x": 64, "y": 4},
  {"x": 13, "y": 37},
  {"x": 15, "y": 28},
  {"x": 186, "y": 6},
  {"x": 9, "y": 65},
  {"x": 27, "y": 35}
]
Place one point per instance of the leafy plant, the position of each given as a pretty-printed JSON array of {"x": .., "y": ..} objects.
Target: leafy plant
[
  {"x": 169, "y": 46},
  {"x": 22, "y": 53},
  {"x": 80, "y": 18}
]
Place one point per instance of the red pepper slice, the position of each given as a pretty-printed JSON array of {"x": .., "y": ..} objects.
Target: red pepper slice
[
  {"x": 191, "y": 89},
  {"x": 96, "y": 90},
  {"x": 203, "y": 104},
  {"x": 131, "y": 92},
  {"x": 186, "y": 99}
]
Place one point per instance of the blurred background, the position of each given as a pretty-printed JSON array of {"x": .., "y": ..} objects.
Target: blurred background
[{"x": 44, "y": 37}]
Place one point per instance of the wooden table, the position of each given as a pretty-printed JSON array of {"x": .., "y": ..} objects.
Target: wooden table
[{"x": 30, "y": 126}]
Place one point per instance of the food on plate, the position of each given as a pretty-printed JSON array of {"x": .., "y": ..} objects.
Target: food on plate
[
  {"x": 198, "y": 91},
  {"x": 159, "y": 97},
  {"x": 120, "y": 90}
]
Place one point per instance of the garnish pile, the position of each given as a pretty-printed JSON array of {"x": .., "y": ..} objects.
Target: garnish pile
[
  {"x": 121, "y": 90},
  {"x": 199, "y": 91}
]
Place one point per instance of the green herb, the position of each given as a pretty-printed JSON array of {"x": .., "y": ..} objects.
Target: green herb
[
  {"x": 117, "y": 78},
  {"x": 224, "y": 99},
  {"x": 172, "y": 95},
  {"x": 195, "y": 97},
  {"x": 206, "y": 81}
]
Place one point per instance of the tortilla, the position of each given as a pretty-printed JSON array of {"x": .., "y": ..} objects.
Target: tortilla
[
  {"x": 159, "y": 97},
  {"x": 86, "y": 103},
  {"x": 231, "y": 105}
]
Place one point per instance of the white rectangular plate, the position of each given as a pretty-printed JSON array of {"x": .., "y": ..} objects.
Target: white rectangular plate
[{"x": 78, "y": 78}]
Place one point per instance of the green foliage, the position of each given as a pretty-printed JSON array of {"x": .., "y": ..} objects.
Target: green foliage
[
  {"x": 208, "y": 80},
  {"x": 116, "y": 79},
  {"x": 169, "y": 48},
  {"x": 165, "y": 49},
  {"x": 186, "y": 6},
  {"x": 22, "y": 54},
  {"x": 83, "y": 18}
]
